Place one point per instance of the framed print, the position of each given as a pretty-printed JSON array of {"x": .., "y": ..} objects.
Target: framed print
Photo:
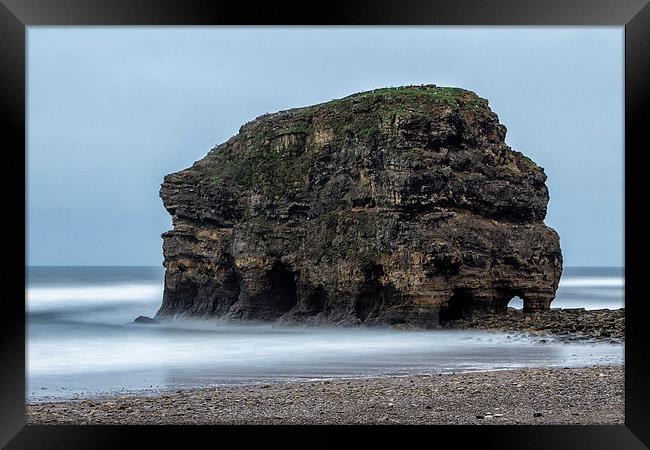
[{"x": 255, "y": 221}]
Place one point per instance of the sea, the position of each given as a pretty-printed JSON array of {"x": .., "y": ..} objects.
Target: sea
[{"x": 82, "y": 342}]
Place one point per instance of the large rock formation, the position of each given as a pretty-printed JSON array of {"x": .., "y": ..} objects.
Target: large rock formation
[{"x": 394, "y": 206}]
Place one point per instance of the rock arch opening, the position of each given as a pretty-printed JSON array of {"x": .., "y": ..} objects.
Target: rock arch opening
[{"x": 516, "y": 302}]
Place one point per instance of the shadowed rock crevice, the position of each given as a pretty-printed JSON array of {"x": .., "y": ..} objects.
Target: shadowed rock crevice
[
  {"x": 459, "y": 306},
  {"x": 398, "y": 206},
  {"x": 314, "y": 300},
  {"x": 372, "y": 295},
  {"x": 283, "y": 292}
]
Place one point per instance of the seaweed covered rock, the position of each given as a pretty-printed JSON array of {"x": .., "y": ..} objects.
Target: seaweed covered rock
[{"x": 393, "y": 206}]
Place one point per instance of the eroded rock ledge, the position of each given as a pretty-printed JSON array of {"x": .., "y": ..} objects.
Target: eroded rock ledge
[
  {"x": 394, "y": 206},
  {"x": 568, "y": 324}
]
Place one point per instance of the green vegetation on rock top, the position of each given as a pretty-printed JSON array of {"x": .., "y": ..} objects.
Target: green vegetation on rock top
[
  {"x": 437, "y": 92},
  {"x": 272, "y": 152}
]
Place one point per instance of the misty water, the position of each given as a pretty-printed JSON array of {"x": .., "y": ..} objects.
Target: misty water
[{"x": 81, "y": 341}]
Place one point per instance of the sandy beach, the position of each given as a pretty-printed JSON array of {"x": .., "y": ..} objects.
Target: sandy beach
[{"x": 593, "y": 395}]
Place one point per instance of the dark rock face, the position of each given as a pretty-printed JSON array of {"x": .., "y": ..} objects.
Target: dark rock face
[{"x": 395, "y": 206}]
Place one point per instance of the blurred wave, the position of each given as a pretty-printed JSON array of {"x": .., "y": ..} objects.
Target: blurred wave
[
  {"x": 618, "y": 282},
  {"x": 40, "y": 298},
  {"x": 82, "y": 339}
]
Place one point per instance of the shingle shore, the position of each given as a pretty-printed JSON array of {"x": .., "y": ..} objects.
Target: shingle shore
[{"x": 593, "y": 395}]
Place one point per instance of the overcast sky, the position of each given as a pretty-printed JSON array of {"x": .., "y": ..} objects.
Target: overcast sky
[{"x": 111, "y": 110}]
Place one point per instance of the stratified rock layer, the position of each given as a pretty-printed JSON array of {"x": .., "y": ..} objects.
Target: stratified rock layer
[{"x": 394, "y": 206}]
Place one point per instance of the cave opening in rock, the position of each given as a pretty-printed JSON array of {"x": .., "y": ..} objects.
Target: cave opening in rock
[
  {"x": 366, "y": 302},
  {"x": 458, "y": 306},
  {"x": 283, "y": 291},
  {"x": 314, "y": 299},
  {"x": 516, "y": 303},
  {"x": 371, "y": 294}
]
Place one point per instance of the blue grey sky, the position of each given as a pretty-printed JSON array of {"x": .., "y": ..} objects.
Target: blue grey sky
[{"x": 111, "y": 110}]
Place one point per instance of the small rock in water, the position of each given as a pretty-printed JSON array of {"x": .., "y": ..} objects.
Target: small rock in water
[
  {"x": 145, "y": 319},
  {"x": 537, "y": 414}
]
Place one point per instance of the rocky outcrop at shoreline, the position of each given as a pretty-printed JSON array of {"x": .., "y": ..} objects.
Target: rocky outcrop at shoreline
[
  {"x": 571, "y": 324},
  {"x": 394, "y": 206}
]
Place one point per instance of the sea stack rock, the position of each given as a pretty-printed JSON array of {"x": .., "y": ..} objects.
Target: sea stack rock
[{"x": 398, "y": 206}]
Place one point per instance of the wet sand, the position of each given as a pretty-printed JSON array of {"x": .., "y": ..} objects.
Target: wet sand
[{"x": 593, "y": 395}]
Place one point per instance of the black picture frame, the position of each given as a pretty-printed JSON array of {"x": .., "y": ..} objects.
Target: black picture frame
[{"x": 16, "y": 15}]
